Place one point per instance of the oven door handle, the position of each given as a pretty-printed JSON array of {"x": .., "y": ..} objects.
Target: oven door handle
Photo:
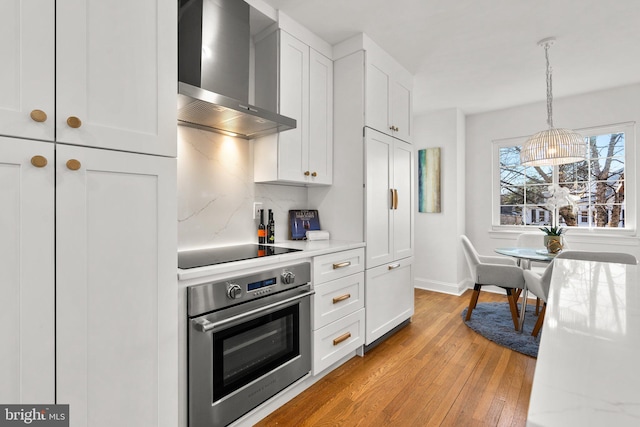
[{"x": 205, "y": 325}]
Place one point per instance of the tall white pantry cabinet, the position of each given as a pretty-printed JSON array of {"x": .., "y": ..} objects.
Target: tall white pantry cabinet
[
  {"x": 373, "y": 177},
  {"x": 88, "y": 294},
  {"x": 388, "y": 233}
]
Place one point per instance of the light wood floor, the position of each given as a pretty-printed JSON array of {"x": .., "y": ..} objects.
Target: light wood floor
[{"x": 434, "y": 372}]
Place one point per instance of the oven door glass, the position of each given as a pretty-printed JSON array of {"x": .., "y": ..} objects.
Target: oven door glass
[{"x": 251, "y": 349}]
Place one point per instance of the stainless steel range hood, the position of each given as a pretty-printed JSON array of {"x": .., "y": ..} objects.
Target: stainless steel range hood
[{"x": 213, "y": 71}]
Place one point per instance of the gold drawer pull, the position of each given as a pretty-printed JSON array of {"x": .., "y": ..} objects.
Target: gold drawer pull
[
  {"x": 73, "y": 164},
  {"x": 393, "y": 266},
  {"x": 341, "y": 298},
  {"x": 38, "y": 116},
  {"x": 341, "y": 338},
  {"x": 74, "y": 122},
  {"x": 39, "y": 161},
  {"x": 314, "y": 174},
  {"x": 306, "y": 173},
  {"x": 341, "y": 265}
]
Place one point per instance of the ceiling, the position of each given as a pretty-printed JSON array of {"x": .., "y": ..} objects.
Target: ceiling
[{"x": 483, "y": 55}]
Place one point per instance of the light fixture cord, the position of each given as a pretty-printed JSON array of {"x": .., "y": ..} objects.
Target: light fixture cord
[{"x": 549, "y": 90}]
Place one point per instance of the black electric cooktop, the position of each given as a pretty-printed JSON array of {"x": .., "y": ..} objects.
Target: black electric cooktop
[{"x": 205, "y": 257}]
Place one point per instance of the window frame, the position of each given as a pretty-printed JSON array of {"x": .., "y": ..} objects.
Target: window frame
[{"x": 630, "y": 180}]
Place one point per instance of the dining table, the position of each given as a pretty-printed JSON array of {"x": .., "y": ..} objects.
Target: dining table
[
  {"x": 527, "y": 254},
  {"x": 524, "y": 257}
]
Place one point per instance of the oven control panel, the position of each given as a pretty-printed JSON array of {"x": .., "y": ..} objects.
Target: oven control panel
[{"x": 217, "y": 295}]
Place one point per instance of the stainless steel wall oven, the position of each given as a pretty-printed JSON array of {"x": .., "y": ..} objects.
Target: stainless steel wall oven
[{"x": 249, "y": 338}]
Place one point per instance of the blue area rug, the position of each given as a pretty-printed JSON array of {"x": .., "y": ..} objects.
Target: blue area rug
[{"x": 493, "y": 321}]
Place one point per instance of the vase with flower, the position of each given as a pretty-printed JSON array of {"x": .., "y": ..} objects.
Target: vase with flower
[{"x": 553, "y": 238}]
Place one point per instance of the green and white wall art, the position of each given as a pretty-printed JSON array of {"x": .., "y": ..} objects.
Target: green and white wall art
[{"x": 429, "y": 180}]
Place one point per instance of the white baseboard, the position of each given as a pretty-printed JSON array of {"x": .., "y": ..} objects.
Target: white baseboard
[
  {"x": 443, "y": 287},
  {"x": 457, "y": 289}
]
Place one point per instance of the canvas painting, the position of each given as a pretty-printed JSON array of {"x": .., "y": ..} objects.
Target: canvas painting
[{"x": 429, "y": 180}]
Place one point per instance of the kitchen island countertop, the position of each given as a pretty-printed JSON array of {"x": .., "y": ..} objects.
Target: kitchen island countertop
[{"x": 587, "y": 369}]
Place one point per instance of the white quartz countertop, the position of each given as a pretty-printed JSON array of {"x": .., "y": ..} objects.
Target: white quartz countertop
[
  {"x": 308, "y": 249},
  {"x": 587, "y": 372}
]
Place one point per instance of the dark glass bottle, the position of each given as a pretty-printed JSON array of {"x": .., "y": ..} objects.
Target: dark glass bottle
[
  {"x": 271, "y": 229},
  {"x": 262, "y": 232}
]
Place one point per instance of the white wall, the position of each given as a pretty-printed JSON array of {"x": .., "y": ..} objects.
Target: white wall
[
  {"x": 440, "y": 263},
  {"x": 341, "y": 206},
  {"x": 216, "y": 192},
  {"x": 583, "y": 111}
]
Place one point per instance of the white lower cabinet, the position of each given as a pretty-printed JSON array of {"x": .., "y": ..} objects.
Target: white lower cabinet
[
  {"x": 388, "y": 297},
  {"x": 338, "y": 307},
  {"x": 335, "y": 341},
  {"x": 88, "y": 292},
  {"x": 116, "y": 290},
  {"x": 27, "y": 319}
]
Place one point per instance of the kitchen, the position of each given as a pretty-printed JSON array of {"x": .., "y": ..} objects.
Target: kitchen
[{"x": 215, "y": 195}]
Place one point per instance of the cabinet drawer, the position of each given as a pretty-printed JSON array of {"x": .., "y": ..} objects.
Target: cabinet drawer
[
  {"x": 337, "y": 299},
  {"x": 336, "y": 340},
  {"x": 340, "y": 264}
]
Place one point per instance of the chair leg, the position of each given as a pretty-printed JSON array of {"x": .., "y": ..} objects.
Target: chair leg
[
  {"x": 513, "y": 306},
  {"x": 473, "y": 301},
  {"x": 537, "y": 306},
  {"x": 538, "y": 325}
]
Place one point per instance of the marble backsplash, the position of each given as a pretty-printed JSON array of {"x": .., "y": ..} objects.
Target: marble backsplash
[{"x": 216, "y": 192}]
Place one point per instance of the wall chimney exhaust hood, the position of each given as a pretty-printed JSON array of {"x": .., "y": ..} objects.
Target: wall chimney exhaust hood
[{"x": 213, "y": 71}]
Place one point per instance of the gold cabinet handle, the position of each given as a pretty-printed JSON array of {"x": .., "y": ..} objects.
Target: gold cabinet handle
[
  {"x": 341, "y": 298},
  {"x": 341, "y": 338},
  {"x": 392, "y": 199},
  {"x": 341, "y": 265},
  {"x": 74, "y": 122},
  {"x": 393, "y": 266},
  {"x": 306, "y": 173},
  {"x": 73, "y": 164},
  {"x": 38, "y": 116},
  {"x": 395, "y": 199},
  {"x": 391, "y": 128},
  {"x": 314, "y": 174},
  {"x": 39, "y": 161}
]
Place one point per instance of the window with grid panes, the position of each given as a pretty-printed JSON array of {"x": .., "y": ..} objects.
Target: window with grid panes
[{"x": 599, "y": 186}]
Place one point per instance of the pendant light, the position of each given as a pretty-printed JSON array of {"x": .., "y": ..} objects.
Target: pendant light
[{"x": 552, "y": 146}]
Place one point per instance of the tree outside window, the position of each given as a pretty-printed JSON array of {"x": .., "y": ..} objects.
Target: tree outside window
[{"x": 595, "y": 186}]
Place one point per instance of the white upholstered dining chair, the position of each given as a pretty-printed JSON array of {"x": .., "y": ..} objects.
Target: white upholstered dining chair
[
  {"x": 538, "y": 284},
  {"x": 493, "y": 270},
  {"x": 531, "y": 240}
]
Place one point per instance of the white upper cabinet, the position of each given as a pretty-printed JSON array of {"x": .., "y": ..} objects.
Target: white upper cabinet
[
  {"x": 114, "y": 78},
  {"x": 320, "y": 119},
  {"x": 27, "y": 72},
  {"x": 116, "y": 74},
  {"x": 388, "y": 95},
  {"x": 305, "y": 81},
  {"x": 293, "y": 145}
]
